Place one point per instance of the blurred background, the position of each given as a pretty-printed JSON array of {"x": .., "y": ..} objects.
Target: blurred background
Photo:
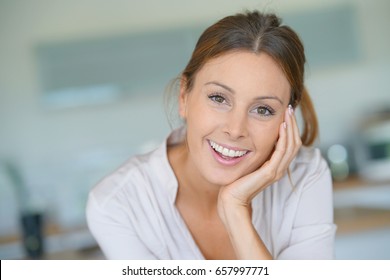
[{"x": 82, "y": 86}]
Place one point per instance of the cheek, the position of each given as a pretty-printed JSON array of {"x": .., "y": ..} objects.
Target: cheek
[
  {"x": 200, "y": 123},
  {"x": 267, "y": 137},
  {"x": 200, "y": 117}
]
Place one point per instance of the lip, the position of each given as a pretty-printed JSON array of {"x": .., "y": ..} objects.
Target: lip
[{"x": 227, "y": 161}]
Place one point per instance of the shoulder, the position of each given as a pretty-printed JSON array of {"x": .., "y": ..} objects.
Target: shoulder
[
  {"x": 134, "y": 178},
  {"x": 310, "y": 169},
  {"x": 309, "y": 155},
  {"x": 309, "y": 160}
]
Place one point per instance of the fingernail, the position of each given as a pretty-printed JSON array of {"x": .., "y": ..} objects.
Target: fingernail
[
  {"x": 290, "y": 109},
  {"x": 284, "y": 124}
]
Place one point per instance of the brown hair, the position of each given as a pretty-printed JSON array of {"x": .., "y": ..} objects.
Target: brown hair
[{"x": 257, "y": 32}]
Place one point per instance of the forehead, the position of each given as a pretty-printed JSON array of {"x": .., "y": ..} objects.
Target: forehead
[{"x": 246, "y": 71}]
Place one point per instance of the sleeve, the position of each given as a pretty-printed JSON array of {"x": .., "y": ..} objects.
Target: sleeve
[
  {"x": 313, "y": 231},
  {"x": 116, "y": 237}
]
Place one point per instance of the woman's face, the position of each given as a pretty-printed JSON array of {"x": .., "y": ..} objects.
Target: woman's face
[{"x": 233, "y": 114}]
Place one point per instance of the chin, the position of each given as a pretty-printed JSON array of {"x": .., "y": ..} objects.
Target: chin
[
  {"x": 221, "y": 182},
  {"x": 223, "y": 179}
]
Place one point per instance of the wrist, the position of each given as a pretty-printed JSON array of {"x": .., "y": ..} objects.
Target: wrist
[{"x": 235, "y": 212}]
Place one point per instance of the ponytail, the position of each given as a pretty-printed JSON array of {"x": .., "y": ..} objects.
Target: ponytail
[{"x": 310, "y": 123}]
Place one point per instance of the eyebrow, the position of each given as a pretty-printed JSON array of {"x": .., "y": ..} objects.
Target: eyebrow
[
  {"x": 221, "y": 85},
  {"x": 233, "y": 92}
]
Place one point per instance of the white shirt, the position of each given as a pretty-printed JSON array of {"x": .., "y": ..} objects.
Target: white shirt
[{"x": 132, "y": 213}]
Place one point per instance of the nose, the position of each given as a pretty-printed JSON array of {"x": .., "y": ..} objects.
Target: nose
[{"x": 236, "y": 124}]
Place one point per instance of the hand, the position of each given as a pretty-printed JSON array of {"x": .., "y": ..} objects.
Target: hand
[{"x": 241, "y": 192}]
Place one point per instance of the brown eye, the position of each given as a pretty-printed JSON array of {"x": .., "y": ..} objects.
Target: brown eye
[
  {"x": 264, "y": 111},
  {"x": 217, "y": 98}
]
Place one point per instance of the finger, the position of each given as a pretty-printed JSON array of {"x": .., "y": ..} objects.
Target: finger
[
  {"x": 253, "y": 183},
  {"x": 297, "y": 136},
  {"x": 290, "y": 145},
  {"x": 268, "y": 170},
  {"x": 271, "y": 167},
  {"x": 256, "y": 181},
  {"x": 281, "y": 145},
  {"x": 290, "y": 131}
]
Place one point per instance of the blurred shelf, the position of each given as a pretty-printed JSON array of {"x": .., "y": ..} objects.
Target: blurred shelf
[
  {"x": 361, "y": 206},
  {"x": 92, "y": 253},
  {"x": 357, "y": 219},
  {"x": 356, "y": 182},
  {"x": 49, "y": 230},
  {"x": 76, "y": 243}
]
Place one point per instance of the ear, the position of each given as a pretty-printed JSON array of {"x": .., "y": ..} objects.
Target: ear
[{"x": 183, "y": 96}]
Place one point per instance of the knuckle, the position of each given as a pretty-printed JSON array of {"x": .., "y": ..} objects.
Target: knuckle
[
  {"x": 290, "y": 150},
  {"x": 299, "y": 142},
  {"x": 298, "y": 147},
  {"x": 270, "y": 174},
  {"x": 278, "y": 175}
]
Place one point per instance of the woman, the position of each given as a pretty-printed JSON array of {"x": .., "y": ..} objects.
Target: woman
[{"x": 235, "y": 181}]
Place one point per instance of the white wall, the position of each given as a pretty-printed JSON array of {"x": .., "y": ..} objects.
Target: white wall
[
  {"x": 63, "y": 152},
  {"x": 345, "y": 95}
]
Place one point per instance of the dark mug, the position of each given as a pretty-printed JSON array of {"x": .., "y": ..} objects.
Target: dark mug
[{"x": 32, "y": 228}]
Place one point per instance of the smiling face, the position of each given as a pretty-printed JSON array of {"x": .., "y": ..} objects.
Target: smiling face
[{"x": 233, "y": 114}]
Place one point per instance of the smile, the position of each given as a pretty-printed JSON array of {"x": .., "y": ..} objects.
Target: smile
[{"x": 226, "y": 152}]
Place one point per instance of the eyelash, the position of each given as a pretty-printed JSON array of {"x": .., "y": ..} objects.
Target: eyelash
[
  {"x": 214, "y": 96},
  {"x": 270, "y": 111}
]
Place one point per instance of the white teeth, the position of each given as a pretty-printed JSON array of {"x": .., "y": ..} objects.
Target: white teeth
[{"x": 227, "y": 152}]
